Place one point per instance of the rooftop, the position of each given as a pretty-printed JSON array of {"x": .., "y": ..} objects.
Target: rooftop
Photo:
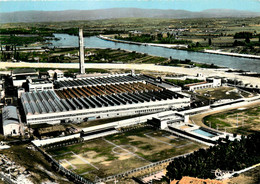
[
  {"x": 79, "y": 98},
  {"x": 23, "y": 71},
  {"x": 96, "y": 92},
  {"x": 194, "y": 84},
  {"x": 39, "y": 81},
  {"x": 90, "y": 81},
  {"x": 10, "y": 115}
]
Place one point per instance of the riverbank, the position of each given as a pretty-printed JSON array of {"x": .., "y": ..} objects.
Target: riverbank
[
  {"x": 145, "y": 44},
  {"x": 232, "y": 54},
  {"x": 183, "y": 47},
  {"x": 237, "y": 63}
]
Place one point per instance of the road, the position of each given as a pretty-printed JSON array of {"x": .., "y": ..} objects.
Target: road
[{"x": 151, "y": 67}]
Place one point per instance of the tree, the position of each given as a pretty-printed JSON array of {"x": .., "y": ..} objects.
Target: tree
[
  {"x": 209, "y": 41},
  {"x": 198, "y": 44},
  {"x": 247, "y": 40},
  {"x": 243, "y": 35},
  {"x": 235, "y": 43},
  {"x": 226, "y": 155}
]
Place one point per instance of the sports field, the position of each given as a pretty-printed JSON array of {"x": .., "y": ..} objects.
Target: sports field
[
  {"x": 241, "y": 121},
  {"x": 118, "y": 153}
]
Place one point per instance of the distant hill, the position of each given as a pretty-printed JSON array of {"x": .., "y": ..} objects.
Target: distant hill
[{"x": 68, "y": 15}]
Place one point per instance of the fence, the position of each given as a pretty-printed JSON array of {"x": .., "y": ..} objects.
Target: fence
[
  {"x": 109, "y": 178},
  {"x": 63, "y": 143},
  {"x": 57, "y": 166},
  {"x": 6, "y": 178}
]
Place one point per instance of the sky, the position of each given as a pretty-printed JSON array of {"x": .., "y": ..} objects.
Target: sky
[{"x": 190, "y": 5}]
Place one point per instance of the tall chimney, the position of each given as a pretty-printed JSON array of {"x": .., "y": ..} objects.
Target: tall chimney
[{"x": 81, "y": 52}]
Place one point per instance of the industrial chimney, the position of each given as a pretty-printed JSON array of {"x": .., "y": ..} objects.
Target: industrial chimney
[{"x": 81, "y": 52}]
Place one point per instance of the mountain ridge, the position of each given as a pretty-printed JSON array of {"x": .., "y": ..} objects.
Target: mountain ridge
[{"x": 74, "y": 15}]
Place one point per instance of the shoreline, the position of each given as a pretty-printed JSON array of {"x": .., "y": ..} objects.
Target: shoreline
[
  {"x": 176, "y": 46},
  {"x": 169, "y": 46},
  {"x": 231, "y": 54}
]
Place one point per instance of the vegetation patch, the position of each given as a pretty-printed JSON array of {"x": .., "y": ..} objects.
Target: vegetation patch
[
  {"x": 219, "y": 93},
  {"x": 227, "y": 155},
  {"x": 239, "y": 121},
  {"x": 183, "y": 82}
]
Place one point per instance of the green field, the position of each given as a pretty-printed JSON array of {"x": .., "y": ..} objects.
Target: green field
[
  {"x": 118, "y": 153},
  {"x": 64, "y": 55},
  {"x": 219, "y": 93},
  {"x": 239, "y": 121}
]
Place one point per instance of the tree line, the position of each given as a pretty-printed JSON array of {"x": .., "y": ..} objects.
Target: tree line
[
  {"x": 226, "y": 155},
  {"x": 150, "y": 38}
]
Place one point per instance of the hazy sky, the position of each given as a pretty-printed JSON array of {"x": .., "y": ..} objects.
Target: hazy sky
[{"x": 191, "y": 5}]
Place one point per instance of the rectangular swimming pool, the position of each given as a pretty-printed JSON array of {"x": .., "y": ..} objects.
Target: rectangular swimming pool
[{"x": 202, "y": 132}]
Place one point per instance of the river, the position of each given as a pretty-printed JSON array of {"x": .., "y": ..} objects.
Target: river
[{"x": 245, "y": 64}]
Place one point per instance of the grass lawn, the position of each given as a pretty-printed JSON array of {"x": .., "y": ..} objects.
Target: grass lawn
[
  {"x": 240, "y": 121},
  {"x": 219, "y": 93}
]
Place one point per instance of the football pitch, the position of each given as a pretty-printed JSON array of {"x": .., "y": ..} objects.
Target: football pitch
[{"x": 118, "y": 153}]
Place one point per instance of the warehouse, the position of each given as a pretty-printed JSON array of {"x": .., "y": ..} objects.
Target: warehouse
[
  {"x": 11, "y": 122},
  {"x": 19, "y": 76},
  {"x": 77, "y": 100}
]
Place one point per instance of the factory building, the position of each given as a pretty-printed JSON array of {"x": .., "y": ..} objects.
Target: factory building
[
  {"x": 38, "y": 85},
  {"x": 77, "y": 100},
  {"x": 11, "y": 123},
  {"x": 19, "y": 76}
]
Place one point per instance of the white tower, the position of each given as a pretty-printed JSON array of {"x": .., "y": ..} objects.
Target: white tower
[{"x": 81, "y": 52}]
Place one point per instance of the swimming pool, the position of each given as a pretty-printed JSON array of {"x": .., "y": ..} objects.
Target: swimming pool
[{"x": 202, "y": 132}]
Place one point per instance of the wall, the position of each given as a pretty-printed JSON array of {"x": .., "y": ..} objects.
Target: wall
[{"x": 8, "y": 129}]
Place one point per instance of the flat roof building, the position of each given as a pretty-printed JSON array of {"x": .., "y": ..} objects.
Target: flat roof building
[
  {"x": 212, "y": 83},
  {"x": 39, "y": 85}
]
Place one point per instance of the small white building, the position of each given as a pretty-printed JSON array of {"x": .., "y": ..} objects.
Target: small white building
[
  {"x": 55, "y": 74},
  {"x": 39, "y": 85},
  {"x": 58, "y": 74},
  {"x": 11, "y": 122},
  {"x": 51, "y": 73},
  {"x": 199, "y": 85},
  {"x": 216, "y": 82},
  {"x": 213, "y": 83}
]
